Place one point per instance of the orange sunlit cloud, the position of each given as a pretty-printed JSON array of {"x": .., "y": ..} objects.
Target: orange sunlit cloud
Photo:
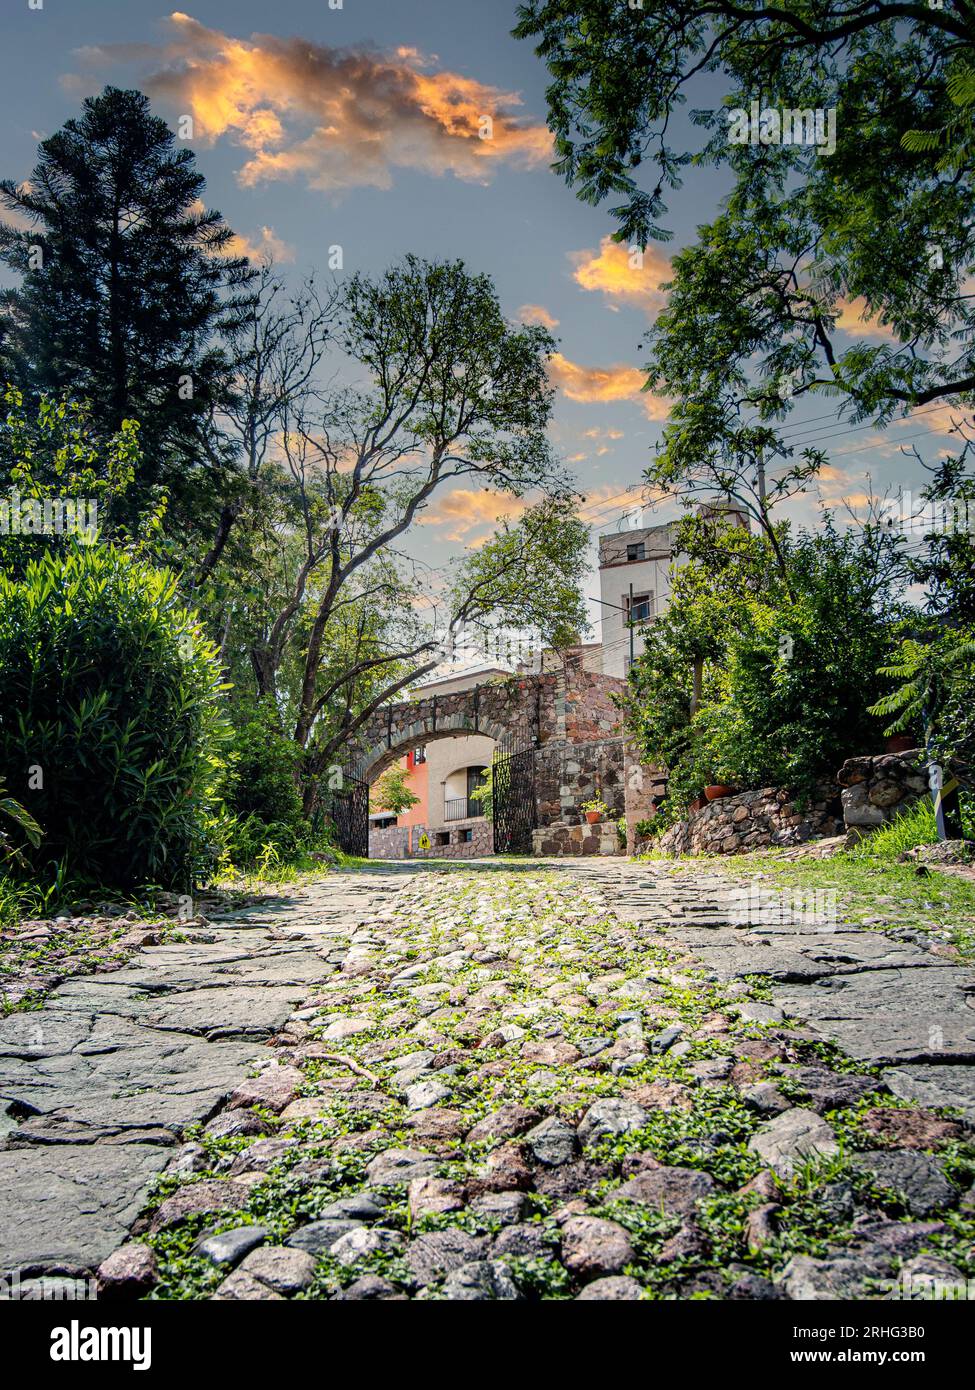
[
  {"x": 623, "y": 275},
  {"x": 339, "y": 118},
  {"x": 536, "y": 313},
  {"x": 615, "y": 383},
  {"x": 855, "y": 319},
  {"x": 265, "y": 249},
  {"x": 942, "y": 417},
  {"x": 466, "y": 510}
]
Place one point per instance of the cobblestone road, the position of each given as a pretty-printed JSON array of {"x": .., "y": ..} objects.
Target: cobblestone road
[{"x": 494, "y": 1081}]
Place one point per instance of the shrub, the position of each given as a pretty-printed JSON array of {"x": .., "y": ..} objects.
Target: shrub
[
  {"x": 111, "y": 726},
  {"x": 264, "y": 779}
]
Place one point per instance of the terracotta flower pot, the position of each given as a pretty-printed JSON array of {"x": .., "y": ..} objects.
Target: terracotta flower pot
[
  {"x": 593, "y": 817},
  {"x": 717, "y": 791}
]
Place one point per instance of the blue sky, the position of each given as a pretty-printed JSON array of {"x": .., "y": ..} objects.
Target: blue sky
[{"x": 385, "y": 80}]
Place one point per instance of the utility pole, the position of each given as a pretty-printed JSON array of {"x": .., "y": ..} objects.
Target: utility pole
[
  {"x": 630, "y": 614},
  {"x": 761, "y": 478}
]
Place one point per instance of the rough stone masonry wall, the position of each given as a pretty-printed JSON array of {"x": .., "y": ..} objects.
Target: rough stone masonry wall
[
  {"x": 876, "y": 789},
  {"x": 560, "y": 840},
  {"x": 568, "y": 774},
  {"x": 751, "y": 820},
  {"x": 572, "y": 705},
  {"x": 644, "y": 790},
  {"x": 403, "y": 841}
]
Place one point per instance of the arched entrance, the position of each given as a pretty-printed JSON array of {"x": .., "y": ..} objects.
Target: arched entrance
[
  {"x": 447, "y": 818},
  {"x": 549, "y": 730}
]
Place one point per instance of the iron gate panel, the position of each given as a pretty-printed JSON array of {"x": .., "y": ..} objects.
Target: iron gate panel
[
  {"x": 348, "y": 806},
  {"x": 513, "y": 801}
]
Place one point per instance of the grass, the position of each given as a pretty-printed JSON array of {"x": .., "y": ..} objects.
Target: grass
[{"x": 916, "y": 826}]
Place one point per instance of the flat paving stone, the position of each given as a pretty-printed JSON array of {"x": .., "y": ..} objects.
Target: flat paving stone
[{"x": 96, "y": 1085}]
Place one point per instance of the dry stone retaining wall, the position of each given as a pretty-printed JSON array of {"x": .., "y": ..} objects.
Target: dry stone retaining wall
[
  {"x": 749, "y": 821},
  {"x": 876, "y": 789}
]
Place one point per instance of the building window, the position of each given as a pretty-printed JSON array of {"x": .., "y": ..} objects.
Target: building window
[
  {"x": 641, "y": 607},
  {"x": 637, "y": 551},
  {"x": 442, "y": 837},
  {"x": 415, "y": 757},
  {"x": 465, "y": 837}
]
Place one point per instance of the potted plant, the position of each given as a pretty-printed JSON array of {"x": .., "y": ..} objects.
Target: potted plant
[
  {"x": 595, "y": 809},
  {"x": 721, "y": 786}
]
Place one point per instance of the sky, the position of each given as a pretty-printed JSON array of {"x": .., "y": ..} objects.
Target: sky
[{"x": 317, "y": 125}]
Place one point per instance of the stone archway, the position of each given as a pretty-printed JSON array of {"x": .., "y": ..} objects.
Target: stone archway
[
  {"x": 569, "y": 708},
  {"x": 452, "y": 823}
]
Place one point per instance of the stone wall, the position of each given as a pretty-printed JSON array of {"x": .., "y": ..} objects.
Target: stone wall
[
  {"x": 876, "y": 789},
  {"x": 644, "y": 789},
  {"x": 751, "y": 820},
  {"x": 446, "y": 842},
  {"x": 585, "y": 702},
  {"x": 572, "y": 705},
  {"x": 560, "y": 840},
  {"x": 568, "y": 774}
]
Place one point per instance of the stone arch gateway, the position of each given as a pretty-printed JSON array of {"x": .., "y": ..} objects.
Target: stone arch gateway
[{"x": 564, "y": 715}]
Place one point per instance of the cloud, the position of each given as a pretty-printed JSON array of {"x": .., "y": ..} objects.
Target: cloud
[
  {"x": 624, "y": 276},
  {"x": 602, "y": 434},
  {"x": 619, "y": 382},
  {"x": 855, "y": 319},
  {"x": 338, "y": 118},
  {"x": 265, "y": 248},
  {"x": 466, "y": 510},
  {"x": 942, "y": 418},
  {"x": 535, "y": 313}
]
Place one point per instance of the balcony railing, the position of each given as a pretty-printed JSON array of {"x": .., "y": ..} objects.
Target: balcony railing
[{"x": 461, "y": 808}]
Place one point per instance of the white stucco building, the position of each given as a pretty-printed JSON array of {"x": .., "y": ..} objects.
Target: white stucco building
[
  {"x": 635, "y": 572},
  {"x": 634, "y": 569}
]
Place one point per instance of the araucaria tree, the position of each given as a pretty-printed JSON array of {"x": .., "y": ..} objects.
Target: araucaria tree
[{"x": 127, "y": 295}]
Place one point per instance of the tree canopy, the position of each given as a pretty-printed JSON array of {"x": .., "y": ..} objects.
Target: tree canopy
[{"x": 879, "y": 227}]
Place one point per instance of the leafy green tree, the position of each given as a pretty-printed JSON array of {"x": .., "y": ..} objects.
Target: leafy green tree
[
  {"x": 750, "y": 324},
  {"x": 53, "y": 456},
  {"x": 945, "y": 563},
  {"x": 127, "y": 296},
  {"x": 936, "y": 689},
  {"x": 391, "y": 792},
  {"x": 788, "y": 671},
  {"x": 265, "y": 766}
]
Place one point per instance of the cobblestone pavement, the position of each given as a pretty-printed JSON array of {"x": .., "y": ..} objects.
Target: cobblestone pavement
[{"x": 568, "y": 1079}]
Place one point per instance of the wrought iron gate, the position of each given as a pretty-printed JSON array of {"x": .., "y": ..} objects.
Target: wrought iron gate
[
  {"x": 513, "y": 800},
  {"x": 348, "y": 807}
]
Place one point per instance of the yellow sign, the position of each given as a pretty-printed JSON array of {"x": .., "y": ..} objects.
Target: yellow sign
[{"x": 423, "y": 842}]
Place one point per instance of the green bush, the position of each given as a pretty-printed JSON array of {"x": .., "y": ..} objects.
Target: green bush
[
  {"x": 265, "y": 762},
  {"x": 111, "y": 724},
  {"x": 262, "y": 796}
]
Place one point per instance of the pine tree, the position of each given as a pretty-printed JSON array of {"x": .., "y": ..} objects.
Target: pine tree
[{"x": 127, "y": 295}]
